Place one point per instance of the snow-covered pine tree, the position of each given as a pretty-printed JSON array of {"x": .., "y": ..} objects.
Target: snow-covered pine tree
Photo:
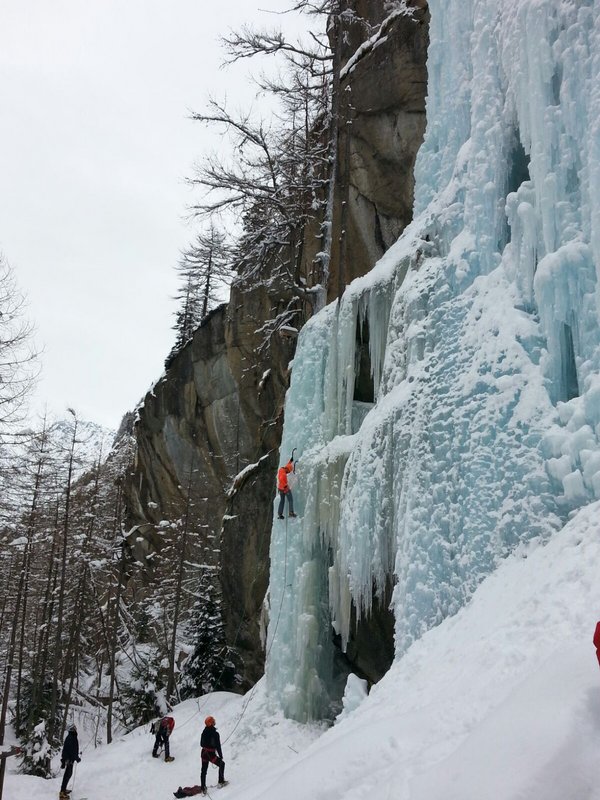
[
  {"x": 143, "y": 694},
  {"x": 209, "y": 666},
  {"x": 51, "y": 670},
  {"x": 38, "y": 750}
]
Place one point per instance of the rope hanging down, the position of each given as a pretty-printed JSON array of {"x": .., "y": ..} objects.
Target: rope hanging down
[
  {"x": 239, "y": 627},
  {"x": 251, "y": 692}
]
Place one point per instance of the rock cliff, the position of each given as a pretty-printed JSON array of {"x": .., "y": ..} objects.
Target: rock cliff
[
  {"x": 210, "y": 428},
  {"x": 383, "y": 90}
]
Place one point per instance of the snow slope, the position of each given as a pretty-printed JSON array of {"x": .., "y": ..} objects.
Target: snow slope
[{"x": 501, "y": 701}]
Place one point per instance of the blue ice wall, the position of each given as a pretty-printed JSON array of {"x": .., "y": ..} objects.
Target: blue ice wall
[{"x": 484, "y": 350}]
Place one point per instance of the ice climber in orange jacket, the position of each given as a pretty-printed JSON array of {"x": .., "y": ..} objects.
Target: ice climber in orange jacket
[{"x": 284, "y": 489}]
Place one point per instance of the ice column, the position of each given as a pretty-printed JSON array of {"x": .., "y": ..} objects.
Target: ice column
[
  {"x": 309, "y": 594},
  {"x": 484, "y": 349}
]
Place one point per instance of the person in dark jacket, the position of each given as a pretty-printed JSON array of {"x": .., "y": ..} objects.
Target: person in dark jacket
[
  {"x": 210, "y": 742},
  {"x": 163, "y": 729},
  {"x": 69, "y": 755}
]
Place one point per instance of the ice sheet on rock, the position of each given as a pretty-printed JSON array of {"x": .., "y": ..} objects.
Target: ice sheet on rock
[{"x": 484, "y": 351}]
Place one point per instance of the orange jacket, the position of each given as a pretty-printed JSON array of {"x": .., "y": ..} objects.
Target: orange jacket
[{"x": 282, "y": 473}]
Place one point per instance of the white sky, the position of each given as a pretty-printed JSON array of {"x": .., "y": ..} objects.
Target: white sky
[{"x": 94, "y": 147}]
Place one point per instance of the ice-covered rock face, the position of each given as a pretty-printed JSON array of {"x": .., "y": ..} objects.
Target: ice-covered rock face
[{"x": 483, "y": 341}]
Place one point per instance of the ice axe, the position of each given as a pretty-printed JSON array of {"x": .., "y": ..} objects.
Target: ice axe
[{"x": 292, "y": 458}]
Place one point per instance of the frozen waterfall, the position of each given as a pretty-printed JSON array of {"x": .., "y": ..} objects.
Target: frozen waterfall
[{"x": 448, "y": 408}]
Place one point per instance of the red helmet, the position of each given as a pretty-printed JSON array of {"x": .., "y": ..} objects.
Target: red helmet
[{"x": 210, "y": 721}]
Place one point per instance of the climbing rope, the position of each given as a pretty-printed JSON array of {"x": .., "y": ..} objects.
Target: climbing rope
[
  {"x": 251, "y": 692},
  {"x": 239, "y": 627},
  {"x": 236, "y": 637}
]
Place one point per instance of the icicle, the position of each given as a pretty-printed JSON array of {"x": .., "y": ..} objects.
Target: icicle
[{"x": 484, "y": 350}]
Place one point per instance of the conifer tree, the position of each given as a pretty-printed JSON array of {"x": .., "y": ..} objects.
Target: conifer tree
[
  {"x": 209, "y": 666},
  {"x": 205, "y": 270}
]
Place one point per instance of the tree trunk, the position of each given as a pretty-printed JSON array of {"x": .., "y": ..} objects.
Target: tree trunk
[
  {"x": 61, "y": 594},
  {"x": 182, "y": 546},
  {"x": 38, "y": 671},
  {"x": 206, "y": 295},
  {"x": 30, "y": 531},
  {"x": 9, "y": 663},
  {"x": 327, "y": 225},
  {"x": 113, "y": 649}
]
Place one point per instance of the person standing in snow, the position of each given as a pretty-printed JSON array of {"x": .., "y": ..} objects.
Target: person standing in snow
[
  {"x": 597, "y": 641},
  {"x": 69, "y": 755},
  {"x": 210, "y": 742},
  {"x": 284, "y": 489},
  {"x": 163, "y": 729}
]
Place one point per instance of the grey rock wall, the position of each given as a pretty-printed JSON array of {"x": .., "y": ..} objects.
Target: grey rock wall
[
  {"x": 386, "y": 108},
  {"x": 219, "y": 407},
  {"x": 217, "y": 410}
]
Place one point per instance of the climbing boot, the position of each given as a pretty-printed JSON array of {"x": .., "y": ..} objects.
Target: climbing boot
[
  {"x": 168, "y": 759},
  {"x": 291, "y": 514}
]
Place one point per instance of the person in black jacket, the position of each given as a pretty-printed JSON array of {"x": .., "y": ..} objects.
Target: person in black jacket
[
  {"x": 210, "y": 742},
  {"x": 69, "y": 755}
]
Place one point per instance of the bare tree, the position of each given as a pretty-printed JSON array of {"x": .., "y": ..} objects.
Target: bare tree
[
  {"x": 182, "y": 546},
  {"x": 18, "y": 371},
  {"x": 60, "y": 617},
  {"x": 317, "y": 69},
  {"x": 17, "y": 356},
  {"x": 276, "y": 182}
]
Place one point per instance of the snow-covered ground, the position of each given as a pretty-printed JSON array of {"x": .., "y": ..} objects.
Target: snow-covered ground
[{"x": 500, "y": 702}]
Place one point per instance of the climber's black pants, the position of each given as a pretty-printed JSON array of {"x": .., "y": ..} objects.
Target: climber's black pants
[{"x": 209, "y": 756}]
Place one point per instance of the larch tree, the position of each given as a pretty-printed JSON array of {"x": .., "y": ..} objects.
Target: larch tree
[
  {"x": 18, "y": 359},
  {"x": 311, "y": 91},
  {"x": 17, "y": 376},
  {"x": 206, "y": 272}
]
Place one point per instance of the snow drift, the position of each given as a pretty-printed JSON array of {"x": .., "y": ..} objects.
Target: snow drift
[{"x": 500, "y": 701}]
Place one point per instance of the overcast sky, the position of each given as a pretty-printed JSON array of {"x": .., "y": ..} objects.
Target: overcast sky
[{"x": 94, "y": 148}]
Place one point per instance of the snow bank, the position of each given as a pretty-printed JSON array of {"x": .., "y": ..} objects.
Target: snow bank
[{"x": 500, "y": 701}]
